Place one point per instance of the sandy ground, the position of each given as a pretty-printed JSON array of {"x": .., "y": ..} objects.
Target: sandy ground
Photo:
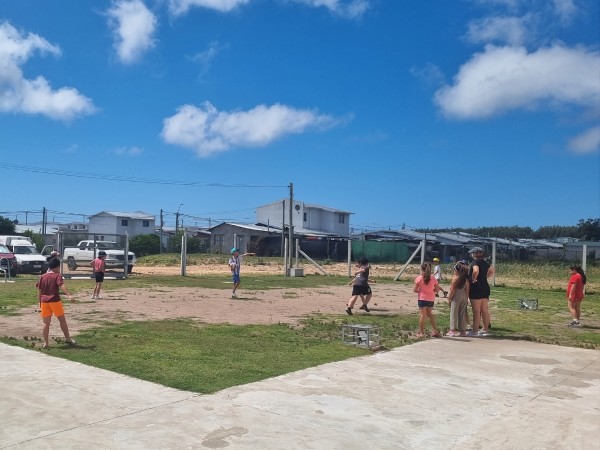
[{"x": 210, "y": 305}]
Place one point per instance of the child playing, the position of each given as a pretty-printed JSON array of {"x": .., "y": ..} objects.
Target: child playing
[
  {"x": 360, "y": 286},
  {"x": 50, "y": 303},
  {"x": 426, "y": 286},
  {"x": 99, "y": 266},
  {"x": 235, "y": 264},
  {"x": 437, "y": 274},
  {"x": 575, "y": 294},
  {"x": 458, "y": 299}
]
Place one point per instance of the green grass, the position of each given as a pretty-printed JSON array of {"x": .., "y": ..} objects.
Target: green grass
[
  {"x": 547, "y": 324},
  {"x": 204, "y": 358}
]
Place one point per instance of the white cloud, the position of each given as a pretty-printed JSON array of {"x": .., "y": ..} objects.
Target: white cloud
[
  {"x": 430, "y": 74},
  {"x": 586, "y": 142},
  {"x": 17, "y": 48},
  {"x": 209, "y": 131},
  {"x": 519, "y": 22},
  {"x": 18, "y": 94},
  {"x": 179, "y": 7},
  {"x": 206, "y": 57},
  {"x": 128, "y": 151},
  {"x": 511, "y": 30},
  {"x": 350, "y": 9},
  {"x": 506, "y": 78},
  {"x": 345, "y": 8},
  {"x": 73, "y": 148},
  {"x": 565, "y": 10},
  {"x": 133, "y": 25}
]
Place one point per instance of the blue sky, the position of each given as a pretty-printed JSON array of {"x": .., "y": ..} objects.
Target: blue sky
[{"x": 427, "y": 113}]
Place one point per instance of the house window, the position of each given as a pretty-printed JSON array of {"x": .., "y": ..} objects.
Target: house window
[
  {"x": 341, "y": 218},
  {"x": 124, "y": 222},
  {"x": 218, "y": 239},
  {"x": 146, "y": 223},
  {"x": 304, "y": 218}
]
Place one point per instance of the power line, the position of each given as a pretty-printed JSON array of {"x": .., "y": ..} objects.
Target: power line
[{"x": 97, "y": 176}]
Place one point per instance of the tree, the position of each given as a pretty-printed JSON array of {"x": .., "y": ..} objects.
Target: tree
[
  {"x": 145, "y": 244},
  {"x": 6, "y": 226},
  {"x": 194, "y": 245},
  {"x": 37, "y": 239},
  {"x": 555, "y": 231},
  {"x": 589, "y": 229}
]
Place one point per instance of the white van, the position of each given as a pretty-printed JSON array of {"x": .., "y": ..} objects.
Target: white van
[
  {"x": 29, "y": 260},
  {"x": 6, "y": 240}
]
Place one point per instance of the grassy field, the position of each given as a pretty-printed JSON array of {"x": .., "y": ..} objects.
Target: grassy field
[{"x": 206, "y": 358}]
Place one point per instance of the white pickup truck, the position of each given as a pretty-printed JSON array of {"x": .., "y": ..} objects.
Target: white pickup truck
[{"x": 87, "y": 250}]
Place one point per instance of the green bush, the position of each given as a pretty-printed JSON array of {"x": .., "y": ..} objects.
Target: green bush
[{"x": 145, "y": 244}]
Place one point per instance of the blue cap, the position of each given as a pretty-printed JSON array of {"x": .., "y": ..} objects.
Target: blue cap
[{"x": 233, "y": 250}]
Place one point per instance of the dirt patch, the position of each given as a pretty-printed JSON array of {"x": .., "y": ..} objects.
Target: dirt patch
[{"x": 209, "y": 305}]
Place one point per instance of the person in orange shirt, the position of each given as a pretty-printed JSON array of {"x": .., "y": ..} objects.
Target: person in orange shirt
[
  {"x": 99, "y": 268},
  {"x": 575, "y": 294},
  {"x": 49, "y": 286}
]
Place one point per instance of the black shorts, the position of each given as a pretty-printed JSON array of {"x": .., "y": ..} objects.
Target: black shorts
[
  {"x": 425, "y": 304},
  {"x": 99, "y": 277},
  {"x": 361, "y": 290},
  {"x": 479, "y": 291}
]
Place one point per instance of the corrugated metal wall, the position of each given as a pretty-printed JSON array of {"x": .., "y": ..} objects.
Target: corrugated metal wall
[{"x": 380, "y": 251}]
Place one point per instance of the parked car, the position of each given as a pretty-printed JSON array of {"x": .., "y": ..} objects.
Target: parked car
[
  {"x": 8, "y": 261},
  {"x": 87, "y": 250},
  {"x": 29, "y": 260}
]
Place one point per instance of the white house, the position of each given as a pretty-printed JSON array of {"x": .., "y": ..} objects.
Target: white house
[
  {"x": 306, "y": 217},
  {"x": 118, "y": 223}
]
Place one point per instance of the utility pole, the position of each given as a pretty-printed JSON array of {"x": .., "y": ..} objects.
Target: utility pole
[
  {"x": 161, "y": 230},
  {"x": 177, "y": 219},
  {"x": 291, "y": 229},
  {"x": 283, "y": 228}
]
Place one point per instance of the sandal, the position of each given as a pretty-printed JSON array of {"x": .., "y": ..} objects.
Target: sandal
[
  {"x": 45, "y": 346},
  {"x": 420, "y": 336},
  {"x": 71, "y": 343},
  {"x": 436, "y": 335}
]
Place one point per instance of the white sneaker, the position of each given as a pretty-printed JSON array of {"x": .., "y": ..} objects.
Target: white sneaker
[
  {"x": 93, "y": 297},
  {"x": 99, "y": 296},
  {"x": 233, "y": 295}
]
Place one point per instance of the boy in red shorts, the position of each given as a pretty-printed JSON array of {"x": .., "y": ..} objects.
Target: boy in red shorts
[{"x": 49, "y": 286}]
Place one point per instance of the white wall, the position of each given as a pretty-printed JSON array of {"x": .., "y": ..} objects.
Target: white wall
[
  {"x": 317, "y": 219},
  {"x": 108, "y": 224}
]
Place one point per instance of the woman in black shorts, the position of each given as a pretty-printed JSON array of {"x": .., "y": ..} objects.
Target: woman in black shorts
[{"x": 479, "y": 292}]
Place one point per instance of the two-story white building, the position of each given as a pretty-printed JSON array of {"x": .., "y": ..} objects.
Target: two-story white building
[
  {"x": 111, "y": 223},
  {"x": 306, "y": 217}
]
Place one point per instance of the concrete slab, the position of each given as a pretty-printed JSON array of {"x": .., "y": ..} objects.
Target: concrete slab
[{"x": 446, "y": 393}]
